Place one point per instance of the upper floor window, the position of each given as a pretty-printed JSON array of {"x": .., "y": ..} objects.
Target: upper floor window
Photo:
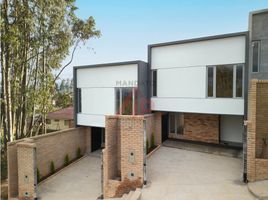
[
  {"x": 125, "y": 101},
  {"x": 225, "y": 81},
  {"x": 256, "y": 47},
  {"x": 154, "y": 83},
  {"x": 79, "y": 105}
]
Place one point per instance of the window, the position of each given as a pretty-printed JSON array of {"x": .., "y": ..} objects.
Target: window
[
  {"x": 48, "y": 121},
  {"x": 154, "y": 82},
  {"x": 79, "y": 105},
  {"x": 125, "y": 101},
  {"x": 239, "y": 81},
  {"x": 255, "y": 56},
  {"x": 210, "y": 81},
  {"x": 66, "y": 123},
  {"x": 176, "y": 123},
  {"x": 56, "y": 120},
  {"x": 225, "y": 81}
]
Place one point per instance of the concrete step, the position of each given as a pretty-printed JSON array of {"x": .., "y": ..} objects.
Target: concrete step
[
  {"x": 130, "y": 194},
  {"x": 136, "y": 195}
]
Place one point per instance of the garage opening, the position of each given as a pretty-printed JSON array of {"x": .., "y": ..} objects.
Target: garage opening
[
  {"x": 231, "y": 130},
  {"x": 97, "y": 138}
]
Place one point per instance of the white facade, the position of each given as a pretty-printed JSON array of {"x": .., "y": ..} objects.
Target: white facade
[
  {"x": 98, "y": 91},
  {"x": 182, "y": 75}
]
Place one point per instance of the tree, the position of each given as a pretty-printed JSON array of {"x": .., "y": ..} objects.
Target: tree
[{"x": 36, "y": 35}]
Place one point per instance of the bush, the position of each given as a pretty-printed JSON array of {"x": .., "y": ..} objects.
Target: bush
[
  {"x": 66, "y": 160},
  {"x": 38, "y": 175},
  {"x": 78, "y": 152},
  {"x": 52, "y": 167},
  {"x": 152, "y": 140}
]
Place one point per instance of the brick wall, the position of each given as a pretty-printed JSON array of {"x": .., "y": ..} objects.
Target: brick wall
[
  {"x": 123, "y": 154},
  {"x": 257, "y": 168},
  {"x": 49, "y": 147},
  {"x": 199, "y": 127}
]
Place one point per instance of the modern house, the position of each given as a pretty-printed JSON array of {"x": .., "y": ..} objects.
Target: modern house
[
  {"x": 60, "y": 119},
  {"x": 198, "y": 88}
]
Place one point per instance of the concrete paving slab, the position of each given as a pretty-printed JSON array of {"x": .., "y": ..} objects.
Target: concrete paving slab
[
  {"x": 181, "y": 175},
  {"x": 259, "y": 189},
  {"x": 81, "y": 181}
]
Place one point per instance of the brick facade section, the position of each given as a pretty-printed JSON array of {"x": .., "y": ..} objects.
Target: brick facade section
[
  {"x": 27, "y": 180},
  {"x": 199, "y": 127},
  {"x": 257, "y": 168},
  {"x": 49, "y": 147},
  {"x": 124, "y": 135}
]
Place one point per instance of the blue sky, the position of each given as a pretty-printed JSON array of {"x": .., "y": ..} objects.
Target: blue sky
[{"x": 128, "y": 26}]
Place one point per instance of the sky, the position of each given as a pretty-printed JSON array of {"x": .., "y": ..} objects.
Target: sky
[{"x": 128, "y": 26}]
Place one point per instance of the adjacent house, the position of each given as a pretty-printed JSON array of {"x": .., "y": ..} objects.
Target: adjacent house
[{"x": 60, "y": 119}]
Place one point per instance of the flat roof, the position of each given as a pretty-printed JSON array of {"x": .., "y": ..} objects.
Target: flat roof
[
  {"x": 109, "y": 64},
  {"x": 214, "y": 37}
]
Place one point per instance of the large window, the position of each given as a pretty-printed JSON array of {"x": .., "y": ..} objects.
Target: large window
[
  {"x": 154, "y": 83},
  {"x": 176, "y": 123},
  {"x": 225, "y": 81},
  {"x": 255, "y": 56},
  {"x": 125, "y": 101}
]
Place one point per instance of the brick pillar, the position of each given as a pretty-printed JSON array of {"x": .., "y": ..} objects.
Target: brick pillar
[
  {"x": 251, "y": 135},
  {"x": 132, "y": 146},
  {"x": 27, "y": 180}
]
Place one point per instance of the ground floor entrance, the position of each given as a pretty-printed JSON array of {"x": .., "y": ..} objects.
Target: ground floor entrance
[{"x": 97, "y": 138}]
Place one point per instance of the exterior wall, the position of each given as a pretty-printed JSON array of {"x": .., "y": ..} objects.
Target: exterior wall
[
  {"x": 98, "y": 90},
  {"x": 49, "y": 147},
  {"x": 199, "y": 127},
  {"x": 59, "y": 125},
  {"x": 257, "y": 168},
  {"x": 178, "y": 64},
  {"x": 125, "y": 145}
]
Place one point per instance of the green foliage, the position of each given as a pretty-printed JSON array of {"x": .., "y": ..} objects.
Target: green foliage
[
  {"x": 152, "y": 140},
  {"x": 78, "y": 152},
  {"x": 66, "y": 160},
  {"x": 38, "y": 175},
  {"x": 52, "y": 167}
]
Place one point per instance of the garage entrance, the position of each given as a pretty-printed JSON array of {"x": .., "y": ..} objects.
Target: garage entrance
[
  {"x": 97, "y": 138},
  {"x": 231, "y": 129}
]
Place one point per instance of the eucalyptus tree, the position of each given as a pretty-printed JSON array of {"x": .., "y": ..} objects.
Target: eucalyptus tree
[{"x": 36, "y": 36}]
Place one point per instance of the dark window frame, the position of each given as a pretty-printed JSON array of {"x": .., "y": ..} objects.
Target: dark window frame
[
  {"x": 257, "y": 43},
  {"x": 154, "y": 83},
  {"x": 79, "y": 100}
]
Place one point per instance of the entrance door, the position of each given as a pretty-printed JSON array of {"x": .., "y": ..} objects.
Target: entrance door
[
  {"x": 96, "y": 138},
  {"x": 164, "y": 127}
]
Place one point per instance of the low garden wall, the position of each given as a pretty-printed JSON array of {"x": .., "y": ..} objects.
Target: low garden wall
[{"x": 57, "y": 149}]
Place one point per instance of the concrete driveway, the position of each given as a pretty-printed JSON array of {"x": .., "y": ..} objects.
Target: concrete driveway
[
  {"x": 176, "y": 174},
  {"x": 81, "y": 181}
]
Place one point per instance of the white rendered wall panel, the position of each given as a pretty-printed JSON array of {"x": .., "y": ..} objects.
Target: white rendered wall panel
[
  {"x": 100, "y": 101},
  {"x": 194, "y": 105},
  {"x": 231, "y": 128},
  {"x": 91, "y": 120},
  {"x": 209, "y": 52},
  {"x": 112, "y": 76},
  {"x": 182, "y": 82}
]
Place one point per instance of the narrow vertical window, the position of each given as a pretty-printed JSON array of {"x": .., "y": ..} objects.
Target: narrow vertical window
[
  {"x": 117, "y": 101},
  {"x": 79, "y": 100},
  {"x": 154, "y": 82},
  {"x": 179, "y": 123},
  {"x": 255, "y": 56},
  {"x": 210, "y": 80},
  {"x": 239, "y": 80},
  {"x": 127, "y": 98},
  {"x": 172, "y": 128}
]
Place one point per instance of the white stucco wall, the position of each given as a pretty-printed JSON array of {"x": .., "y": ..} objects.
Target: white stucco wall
[
  {"x": 98, "y": 91},
  {"x": 182, "y": 76}
]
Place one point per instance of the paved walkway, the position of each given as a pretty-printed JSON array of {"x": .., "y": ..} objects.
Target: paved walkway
[
  {"x": 181, "y": 175},
  {"x": 259, "y": 189},
  {"x": 81, "y": 181}
]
